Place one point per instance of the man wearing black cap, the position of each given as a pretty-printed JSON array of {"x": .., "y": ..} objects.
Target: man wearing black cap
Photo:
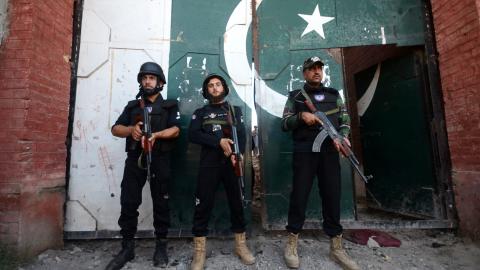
[
  {"x": 307, "y": 165},
  {"x": 211, "y": 127},
  {"x": 164, "y": 121}
]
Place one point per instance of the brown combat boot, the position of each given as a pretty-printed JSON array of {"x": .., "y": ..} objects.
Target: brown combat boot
[
  {"x": 290, "y": 255},
  {"x": 338, "y": 254},
  {"x": 200, "y": 251},
  {"x": 242, "y": 250}
]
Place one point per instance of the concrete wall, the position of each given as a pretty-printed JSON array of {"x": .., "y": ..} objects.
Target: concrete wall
[
  {"x": 457, "y": 30},
  {"x": 34, "y": 102}
]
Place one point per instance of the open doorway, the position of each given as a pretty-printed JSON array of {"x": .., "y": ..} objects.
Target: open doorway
[{"x": 393, "y": 134}]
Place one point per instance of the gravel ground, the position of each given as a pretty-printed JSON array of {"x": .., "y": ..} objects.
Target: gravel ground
[{"x": 420, "y": 249}]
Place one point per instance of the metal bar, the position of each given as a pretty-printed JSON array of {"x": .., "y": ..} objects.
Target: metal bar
[
  {"x": 309, "y": 225},
  {"x": 378, "y": 224},
  {"x": 142, "y": 234},
  {"x": 438, "y": 130},
  {"x": 76, "y": 31}
]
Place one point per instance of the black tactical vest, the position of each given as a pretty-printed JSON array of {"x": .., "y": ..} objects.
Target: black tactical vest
[
  {"x": 158, "y": 121},
  {"x": 325, "y": 100}
]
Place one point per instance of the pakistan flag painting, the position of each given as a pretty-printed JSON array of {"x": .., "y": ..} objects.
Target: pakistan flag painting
[{"x": 191, "y": 39}]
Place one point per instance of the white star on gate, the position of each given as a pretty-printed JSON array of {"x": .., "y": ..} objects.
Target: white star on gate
[{"x": 315, "y": 22}]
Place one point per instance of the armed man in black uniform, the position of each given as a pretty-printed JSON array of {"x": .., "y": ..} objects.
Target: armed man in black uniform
[
  {"x": 164, "y": 122},
  {"x": 307, "y": 165},
  {"x": 210, "y": 127}
]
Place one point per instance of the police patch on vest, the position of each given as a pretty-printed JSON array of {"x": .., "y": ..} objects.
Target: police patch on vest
[
  {"x": 319, "y": 97},
  {"x": 216, "y": 127},
  {"x": 212, "y": 115}
]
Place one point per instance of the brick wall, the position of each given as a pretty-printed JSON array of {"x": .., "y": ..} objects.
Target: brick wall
[
  {"x": 34, "y": 100},
  {"x": 457, "y": 30}
]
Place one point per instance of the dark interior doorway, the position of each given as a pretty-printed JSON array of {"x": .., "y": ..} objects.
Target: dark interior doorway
[{"x": 390, "y": 102}]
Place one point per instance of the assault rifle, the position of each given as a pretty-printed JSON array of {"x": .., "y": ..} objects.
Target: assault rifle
[
  {"x": 330, "y": 131},
  {"x": 147, "y": 133},
  {"x": 238, "y": 158}
]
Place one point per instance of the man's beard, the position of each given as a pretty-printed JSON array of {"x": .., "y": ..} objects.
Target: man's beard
[
  {"x": 217, "y": 99},
  {"x": 151, "y": 91}
]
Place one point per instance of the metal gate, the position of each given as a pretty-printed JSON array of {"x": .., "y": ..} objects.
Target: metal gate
[
  {"x": 289, "y": 32},
  {"x": 190, "y": 39}
]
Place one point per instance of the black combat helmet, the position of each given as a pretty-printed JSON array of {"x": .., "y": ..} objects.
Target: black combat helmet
[
  {"x": 151, "y": 68},
  {"x": 205, "y": 84}
]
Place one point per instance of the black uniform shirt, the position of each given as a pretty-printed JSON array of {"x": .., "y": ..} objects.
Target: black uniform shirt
[
  {"x": 209, "y": 125},
  {"x": 164, "y": 115}
]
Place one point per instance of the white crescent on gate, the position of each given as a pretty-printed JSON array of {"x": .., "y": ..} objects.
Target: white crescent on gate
[
  {"x": 238, "y": 66},
  {"x": 240, "y": 70}
]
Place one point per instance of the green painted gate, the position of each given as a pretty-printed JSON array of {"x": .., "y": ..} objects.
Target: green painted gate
[
  {"x": 191, "y": 39},
  {"x": 199, "y": 34},
  {"x": 289, "y": 32}
]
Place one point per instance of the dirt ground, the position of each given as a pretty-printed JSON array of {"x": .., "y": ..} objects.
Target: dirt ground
[{"x": 420, "y": 249}]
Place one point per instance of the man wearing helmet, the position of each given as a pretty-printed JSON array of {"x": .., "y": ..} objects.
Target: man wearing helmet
[
  {"x": 210, "y": 128},
  {"x": 164, "y": 122},
  {"x": 323, "y": 165}
]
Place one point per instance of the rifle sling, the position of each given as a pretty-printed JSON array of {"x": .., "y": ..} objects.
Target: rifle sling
[{"x": 232, "y": 111}]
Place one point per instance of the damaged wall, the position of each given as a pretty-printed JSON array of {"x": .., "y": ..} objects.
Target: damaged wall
[
  {"x": 34, "y": 102},
  {"x": 457, "y": 30}
]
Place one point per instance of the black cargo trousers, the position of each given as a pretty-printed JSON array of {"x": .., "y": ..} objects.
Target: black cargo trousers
[
  {"x": 208, "y": 181},
  {"x": 325, "y": 167},
  {"x": 134, "y": 179}
]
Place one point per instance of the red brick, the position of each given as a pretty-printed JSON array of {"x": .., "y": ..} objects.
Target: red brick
[
  {"x": 14, "y": 123},
  {"x": 467, "y": 199},
  {"x": 9, "y": 216},
  {"x": 50, "y": 147},
  {"x": 8, "y": 239},
  {"x": 9, "y": 228},
  {"x": 9, "y": 202},
  {"x": 10, "y": 188},
  {"x": 13, "y": 113}
]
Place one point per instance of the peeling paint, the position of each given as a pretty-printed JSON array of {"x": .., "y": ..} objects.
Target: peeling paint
[
  {"x": 107, "y": 168},
  {"x": 384, "y": 39}
]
